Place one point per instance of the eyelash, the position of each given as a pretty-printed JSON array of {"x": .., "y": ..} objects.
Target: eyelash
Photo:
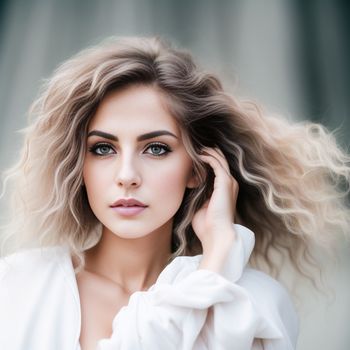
[{"x": 93, "y": 149}]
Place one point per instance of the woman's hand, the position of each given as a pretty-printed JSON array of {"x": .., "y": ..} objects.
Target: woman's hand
[{"x": 213, "y": 222}]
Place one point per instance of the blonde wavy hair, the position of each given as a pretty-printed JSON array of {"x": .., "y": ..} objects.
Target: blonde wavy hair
[{"x": 293, "y": 177}]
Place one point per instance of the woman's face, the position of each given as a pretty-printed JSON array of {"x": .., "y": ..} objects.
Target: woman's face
[{"x": 134, "y": 150}]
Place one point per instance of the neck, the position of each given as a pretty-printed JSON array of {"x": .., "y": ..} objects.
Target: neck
[{"x": 133, "y": 264}]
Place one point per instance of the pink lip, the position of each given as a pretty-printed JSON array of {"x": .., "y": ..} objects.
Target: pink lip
[
  {"x": 128, "y": 202},
  {"x": 128, "y": 211},
  {"x": 128, "y": 206}
]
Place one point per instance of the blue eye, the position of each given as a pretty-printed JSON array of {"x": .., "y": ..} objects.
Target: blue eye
[
  {"x": 101, "y": 149},
  {"x": 104, "y": 149},
  {"x": 159, "y": 149}
]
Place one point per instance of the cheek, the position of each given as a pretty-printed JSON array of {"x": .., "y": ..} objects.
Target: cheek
[
  {"x": 94, "y": 180},
  {"x": 171, "y": 180}
]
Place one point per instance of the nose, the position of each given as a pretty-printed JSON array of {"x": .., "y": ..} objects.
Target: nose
[{"x": 127, "y": 174}]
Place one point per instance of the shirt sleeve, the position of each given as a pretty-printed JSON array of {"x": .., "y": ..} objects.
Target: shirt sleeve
[{"x": 197, "y": 309}]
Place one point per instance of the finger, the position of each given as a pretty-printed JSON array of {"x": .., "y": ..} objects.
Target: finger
[
  {"x": 218, "y": 154},
  {"x": 223, "y": 159},
  {"x": 215, "y": 155},
  {"x": 219, "y": 171},
  {"x": 227, "y": 167}
]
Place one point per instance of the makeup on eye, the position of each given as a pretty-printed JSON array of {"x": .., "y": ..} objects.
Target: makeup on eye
[{"x": 99, "y": 145}]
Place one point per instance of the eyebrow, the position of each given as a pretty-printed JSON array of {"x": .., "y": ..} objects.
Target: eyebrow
[{"x": 143, "y": 137}]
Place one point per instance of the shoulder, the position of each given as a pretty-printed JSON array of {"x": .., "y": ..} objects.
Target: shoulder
[
  {"x": 29, "y": 263},
  {"x": 263, "y": 286},
  {"x": 261, "y": 283},
  {"x": 36, "y": 295},
  {"x": 272, "y": 298}
]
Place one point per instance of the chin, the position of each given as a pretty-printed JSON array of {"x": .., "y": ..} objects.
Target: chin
[
  {"x": 133, "y": 230},
  {"x": 129, "y": 235},
  {"x": 129, "y": 230}
]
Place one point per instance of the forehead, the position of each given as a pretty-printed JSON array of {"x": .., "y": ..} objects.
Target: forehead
[{"x": 135, "y": 109}]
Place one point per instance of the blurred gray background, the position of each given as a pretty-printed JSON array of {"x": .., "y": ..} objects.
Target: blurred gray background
[{"x": 291, "y": 56}]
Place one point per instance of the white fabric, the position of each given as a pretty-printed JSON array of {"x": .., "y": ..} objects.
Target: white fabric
[{"x": 186, "y": 309}]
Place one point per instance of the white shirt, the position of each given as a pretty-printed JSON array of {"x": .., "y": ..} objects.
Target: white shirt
[{"x": 186, "y": 309}]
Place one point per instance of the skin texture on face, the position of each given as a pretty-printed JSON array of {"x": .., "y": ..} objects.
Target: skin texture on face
[{"x": 155, "y": 171}]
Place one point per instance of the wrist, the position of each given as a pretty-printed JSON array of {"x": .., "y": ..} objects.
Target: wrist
[
  {"x": 220, "y": 241},
  {"x": 215, "y": 255}
]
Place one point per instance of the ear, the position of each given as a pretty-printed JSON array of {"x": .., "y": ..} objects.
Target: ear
[{"x": 193, "y": 181}]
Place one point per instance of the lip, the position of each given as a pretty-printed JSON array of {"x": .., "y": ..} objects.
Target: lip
[
  {"x": 128, "y": 206},
  {"x": 128, "y": 211},
  {"x": 128, "y": 202}
]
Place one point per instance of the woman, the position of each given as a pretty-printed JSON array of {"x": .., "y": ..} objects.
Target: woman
[{"x": 135, "y": 200}]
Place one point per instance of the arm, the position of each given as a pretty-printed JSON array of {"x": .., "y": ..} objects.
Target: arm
[
  {"x": 214, "y": 259},
  {"x": 224, "y": 253},
  {"x": 190, "y": 308},
  {"x": 213, "y": 222},
  {"x": 197, "y": 302}
]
